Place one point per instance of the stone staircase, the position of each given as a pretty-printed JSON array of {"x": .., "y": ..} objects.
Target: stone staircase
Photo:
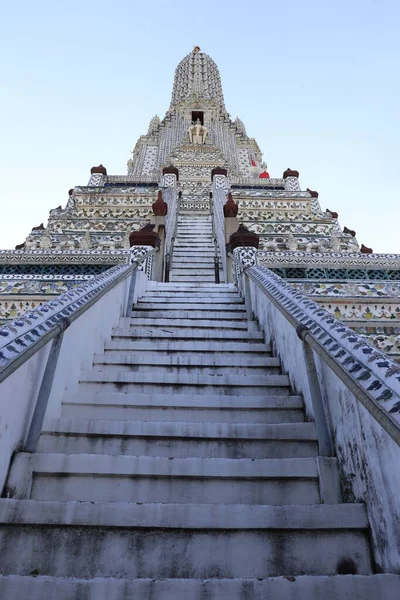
[
  {"x": 193, "y": 255},
  {"x": 182, "y": 468}
]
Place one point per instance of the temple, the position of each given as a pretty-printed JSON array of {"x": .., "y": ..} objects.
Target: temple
[
  {"x": 297, "y": 239},
  {"x": 199, "y": 381}
]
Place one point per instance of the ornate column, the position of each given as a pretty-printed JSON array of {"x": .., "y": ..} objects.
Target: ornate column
[
  {"x": 170, "y": 176},
  {"x": 97, "y": 176},
  {"x": 291, "y": 180},
  {"x": 231, "y": 223},
  {"x": 160, "y": 211},
  {"x": 141, "y": 242},
  {"x": 244, "y": 244}
]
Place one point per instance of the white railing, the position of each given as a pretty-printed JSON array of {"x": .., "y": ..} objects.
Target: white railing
[
  {"x": 43, "y": 351},
  {"x": 170, "y": 196},
  {"x": 350, "y": 389}
]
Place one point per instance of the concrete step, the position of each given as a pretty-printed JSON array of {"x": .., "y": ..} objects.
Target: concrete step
[
  {"x": 155, "y": 540},
  {"x": 226, "y": 287},
  {"x": 179, "y": 439},
  {"x": 187, "y": 360},
  {"x": 193, "y": 295},
  {"x": 197, "y": 383},
  {"x": 115, "y": 478},
  {"x": 187, "y": 314},
  {"x": 195, "y": 254},
  {"x": 303, "y": 587},
  {"x": 186, "y": 333},
  {"x": 138, "y": 321},
  {"x": 190, "y": 243},
  {"x": 210, "y": 304},
  {"x": 205, "y": 286},
  {"x": 156, "y": 407},
  {"x": 102, "y": 364},
  {"x": 178, "y": 272},
  {"x": 170, "y": 346},
  {"x": 190, "y": 235},
  {"x": 175, "y": 277}
]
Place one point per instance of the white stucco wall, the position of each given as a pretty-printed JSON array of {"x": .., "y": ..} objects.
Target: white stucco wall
[
  {"x": 369, "y": 460},
  {"x": 84, "y": 337}
]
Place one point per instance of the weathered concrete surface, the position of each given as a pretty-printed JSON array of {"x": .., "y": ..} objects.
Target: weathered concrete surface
[
  {"x": 85, "y": 336},
  {"x": 346, "y": 587},
  {"x": 369, "y": 460}
]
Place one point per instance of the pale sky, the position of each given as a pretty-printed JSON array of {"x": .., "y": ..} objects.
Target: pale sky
[{"x": 316, "y": 83}]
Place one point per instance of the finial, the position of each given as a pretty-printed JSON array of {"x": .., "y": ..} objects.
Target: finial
[{"x": 196, "y": 49}]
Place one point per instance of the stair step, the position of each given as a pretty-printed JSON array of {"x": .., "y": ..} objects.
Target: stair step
[
  {"x": 179, "y": 439},
  {"x": 200, "y": 286},
  {"x": 183, "y": 382},
  {"x": 188, "y": 360},
  {"x": 303, "y": 587},
  {"x": 139, "y": 321},
  {"x": 206, "y": 408},
  {"x": 185, "y": 346},
  {"x": 187, "y": 314},
  {"x": 116, "y": 478},
  {"x": 180, "y": 540},
  {"x": 185, "y": 333},
  {"x": 178, "y": 272}
]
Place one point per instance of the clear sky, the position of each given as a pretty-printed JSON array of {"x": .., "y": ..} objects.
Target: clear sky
[{"x": 316, "y": 83}]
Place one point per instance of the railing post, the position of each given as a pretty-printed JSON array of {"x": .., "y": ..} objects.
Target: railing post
[
  {"x": 216, "y": 266},
  {"x": 167, "y": 267},
  {"x": 131, "y": 293},
  {"x": 247, "y": 296},
  {"x": 46, "y": 385},
  {"x": 321, "y": 426}
]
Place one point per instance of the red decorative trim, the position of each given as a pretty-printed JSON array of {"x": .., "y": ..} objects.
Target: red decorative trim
[
  {"x": 312, "y": 193},
  {"x": 99, "y": 169},
  {"x": 230, "y": 207},
  {"x": 350, "y": 231},
  {"x": 160, "y": 207},
  {"x": 244, "y": 237},
  {"x": 365, "y": 249},
  {"x": 264, "y": 175},
  {"x": 145, "y": 237},
  {"x": 218, "y": 171},
  {"x": 290, "y": 173},
  {"x": 171, "y": 169}
]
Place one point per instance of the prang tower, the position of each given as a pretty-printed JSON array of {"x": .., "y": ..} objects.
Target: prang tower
[{"x": 197, "y": 148}]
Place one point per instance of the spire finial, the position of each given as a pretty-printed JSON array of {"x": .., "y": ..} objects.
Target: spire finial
[{"x": 196, "y": 48}]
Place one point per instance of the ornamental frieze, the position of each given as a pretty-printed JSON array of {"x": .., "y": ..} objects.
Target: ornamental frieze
[
  {"x": 271, "y": 228},
  {"x": 338, "y": 260},
  {"x": 110, "y": 257},
  {"x": 262, "y": 215},
  {"x": 384, "y": 289}
]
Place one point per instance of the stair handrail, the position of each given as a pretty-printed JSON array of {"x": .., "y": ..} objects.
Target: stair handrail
[
  {"x": 22, "y": 337},
  {"x": 219, "y": 199},
  {"x": 214, "y": 239},
  {"x": 170, "y": 240},
  {"x": 343, "y": 350}
]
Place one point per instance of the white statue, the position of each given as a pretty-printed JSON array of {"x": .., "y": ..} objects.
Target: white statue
[
  {"x": 30, "y": 243},
  {"x": 45, "y": 242},
  {"x": 291, "y": 242},
  {"x": 352, "y": 245},
  {"x": 334, "y": 242},
  {"x": 86, "y": 242},
  {"x": 125, "y": 242},
  {"x": 198, "y": 133}
]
